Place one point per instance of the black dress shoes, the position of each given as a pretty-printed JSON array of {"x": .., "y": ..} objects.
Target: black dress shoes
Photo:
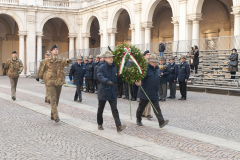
[{"x": 139, "y": 124}]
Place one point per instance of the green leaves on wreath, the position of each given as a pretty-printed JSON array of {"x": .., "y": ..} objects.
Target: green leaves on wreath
[{"x": 130, "y": 73}]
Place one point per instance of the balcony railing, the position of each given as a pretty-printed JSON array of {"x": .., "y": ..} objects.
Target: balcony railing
[
  {"x": 9, "y": 1},
  {"x": 56, "y": 4}
]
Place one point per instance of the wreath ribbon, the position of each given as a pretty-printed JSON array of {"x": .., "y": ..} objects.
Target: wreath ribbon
[{"x": 128, "y": 53}]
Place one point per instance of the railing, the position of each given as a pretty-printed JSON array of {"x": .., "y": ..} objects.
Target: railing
[
  {"x": 57, "y": 4},
  {"x": 88, "y": 4},
  {"x": 9, "y": 1}
]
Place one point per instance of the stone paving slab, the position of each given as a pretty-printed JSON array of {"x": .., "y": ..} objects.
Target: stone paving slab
[
  {"x": 216, "y": 115},
  {"x": 158, "y": 136},
  {"x": 28, "y": 135}
]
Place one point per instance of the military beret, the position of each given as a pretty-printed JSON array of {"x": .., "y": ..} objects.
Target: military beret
[
  {"x": 14, "y": 52},
  {"x": 147, "y": 51},
  {"x": 54, "y": 46}
]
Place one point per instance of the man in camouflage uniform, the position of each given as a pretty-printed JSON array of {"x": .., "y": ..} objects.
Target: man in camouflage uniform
[
  {"x": 55, "y": 78},
  {"x": 47, "y": 97},
  {"x": 14, "y": 67}
]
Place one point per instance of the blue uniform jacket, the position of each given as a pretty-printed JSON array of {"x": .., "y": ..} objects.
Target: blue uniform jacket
[
  {"x": 173, "y": 72},
  {"x": 150, "y": 84},
  {"x": 96, "y": 65},
  {"x": 163, "y": 78},
  {"x": 90, "y": 70},
  {"x": 183, "y": 71},
  {"x": 105, "y": 74},
  {"x": 77, "y": 73}
]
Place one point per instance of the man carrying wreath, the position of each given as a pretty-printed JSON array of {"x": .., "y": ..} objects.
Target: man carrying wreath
[{"x": 149, "y": 90}]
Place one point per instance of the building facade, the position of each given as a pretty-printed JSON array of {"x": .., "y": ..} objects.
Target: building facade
[{"x": 32, "y": 26}]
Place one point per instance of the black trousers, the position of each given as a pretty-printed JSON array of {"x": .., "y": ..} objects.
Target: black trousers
[
  {"x": 86, "y": 83},
  {"x": 78, "y": 93},
  {"x": 90, "y": 86},
  {"x": 96, "y": 83},
  {"x": 134, "y": 90},
  {"x": 195, "y": 67},
  {"x": 183, "y": 89},
  {"x": 119, "y": 89},
  {"x": 233, "y": 73},
  {"x": 125, "y": 88},
  {"x": 113, "y": 104},
  {"x": 141, "y": 107}
]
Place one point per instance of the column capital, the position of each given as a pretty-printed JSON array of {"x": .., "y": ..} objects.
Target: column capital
[
  {"x": 112, "y": 30},
  {"x": 236, "y": 10},
  {"x": 22, "y": 33},
  {"x": 39, "y": 34},
  {"x": 100, "y": 32},
  {"x": 86, "y": 35},
  {"x": 147, "y": 24},
  {"x": 72, "y": 35},
  {"x": 132, "y": 27},
  {"x": 175, "y": 20},
  {"x": 194, "y": 17}
]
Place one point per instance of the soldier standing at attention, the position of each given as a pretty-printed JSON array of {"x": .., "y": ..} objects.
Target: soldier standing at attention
[
  {"x": 55, "y": 78},
  {"x": 90, "y": 73},
  {"x": 47, "y": 97},
  {"x": 183, "y": 75},
  {"x": 150, "y": 84},
  {"x": 107, "y": 90},
  {"x": 96, "y": 65},
  {"x": 172, "y": 77},
  {"x": 14, "y": 67},
  {"x": 77, "y": 72}
]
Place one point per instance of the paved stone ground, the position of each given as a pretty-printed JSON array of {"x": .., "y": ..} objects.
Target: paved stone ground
[
  {"x": 212, "y": 114},
  {"x": 205, "y": 113},
  {"x": 28, "y": 135}
]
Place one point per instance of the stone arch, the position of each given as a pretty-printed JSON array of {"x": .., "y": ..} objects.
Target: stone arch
[
  {"x": 195, "y": 6},
  {"x": 16, "y": 18},
  {"x": 64, "y": 18},
  {"x": 114, "y": 19},
  {"x": 152, "y": 6},
  {"x": 89, "y": 21},
  {"x": 7, "y": 25}
]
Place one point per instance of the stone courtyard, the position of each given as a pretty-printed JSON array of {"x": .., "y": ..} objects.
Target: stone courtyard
[{"x": 206, "y": 126}]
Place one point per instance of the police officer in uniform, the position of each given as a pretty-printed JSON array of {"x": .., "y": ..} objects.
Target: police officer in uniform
[
  {"x": 55, "y": 78},
  {"x": 183, "y": 75},
  {"x": 163, "y": 79},
  {"x": 47, "y": 97},
  {"x": 76, "y": 75},
  {"x": 13, "y": 67},
  {"x": 172, "y": 77},
  {"x": 107, "y": 90},
  {"x": 150, "y": 84},
  {"x": 90, "y": 73},
  {"x": 96, "y": 65}
]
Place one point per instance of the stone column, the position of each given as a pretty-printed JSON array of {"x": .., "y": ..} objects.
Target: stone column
[
  {"x": 112, "y": 32},
  {"x": 71, "y": 45},
  {"x": 86, "y": 37},
  {"x": 147, "y": 26},
  {"x": 80, "y": 42},
  {"x": 101, "y": 37},
  {"x": 176, "y": 28},
  {"x": 1, "y": 71},
  {"x": 22, "y": 49},
  {"x": 195, "y": 28},
  {"x": 182, "y": 19},
  {"x": 31, "y": 41},
  {"x": 236, "y": 13},
  {"x": 137, "y": 18},
  {"x": 105, "y": 34},
  {"x": 132, "y": 28},
  {"x": 39, "y": 46}
]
